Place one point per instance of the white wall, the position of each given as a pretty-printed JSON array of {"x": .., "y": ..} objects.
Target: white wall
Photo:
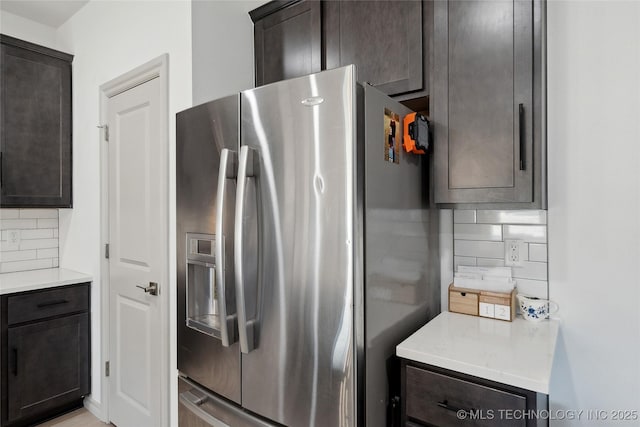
[
  {"x": 594, "y": 203},
  {"x": 25, "y": 29},
  {"x": 222, "y": 48},
  {"x": 108, "y": 39}
]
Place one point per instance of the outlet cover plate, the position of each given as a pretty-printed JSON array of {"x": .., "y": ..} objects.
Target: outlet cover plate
[
  {"x": 513, "y": 253},
  {"x": 13, "y": 240}
]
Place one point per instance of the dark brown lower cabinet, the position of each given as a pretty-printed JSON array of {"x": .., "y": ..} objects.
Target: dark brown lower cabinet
[
  {"x": 45, "y": 360},
  {"x": 433, "y": 396}
]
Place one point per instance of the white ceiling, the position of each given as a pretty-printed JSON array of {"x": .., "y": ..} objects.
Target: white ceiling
[{"x": 52, "y": 12}]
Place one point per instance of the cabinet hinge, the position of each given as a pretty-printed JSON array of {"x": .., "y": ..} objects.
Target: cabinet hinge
[
  {"x": 106, "y": 368},
  {"x": 106, "y": 251},
  {"x": 106, "y": 131}
]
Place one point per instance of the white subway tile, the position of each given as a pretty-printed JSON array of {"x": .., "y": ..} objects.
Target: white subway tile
[
  {"x": 463, "y": 260},
  {"x": 533, "y": 288},
  {"x": 528, "y": 233},
  {"x": 39, "y": 233},
  {"x": 48, "y": 253},
  {"x": 38, "y": 213},
  {"x": 48, "y": 223},
  {"x": 8, "y": 247},
  {"x": 13, "y": 224},
  {"x": 38, "y": 244},
  {"x": 477, "y": 232},
  {"x": 531, "y": 270},
  {"x": 490, "y": 262},
  {"x": 537, "y": 252},
  {"x": 511, "y": 217},
  {"x": 55, "y": 232},
  {"x": 463, "y": 216},
  {"x": 479, "y": 248},
  {"x": 8, "y": 267},
  {"x": 55, "y": 262},
  {"x": 9, "y": 213},
  {"x": 8, "y": 256}
]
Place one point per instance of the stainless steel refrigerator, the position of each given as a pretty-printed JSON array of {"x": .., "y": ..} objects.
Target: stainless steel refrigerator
[{"x": 307, "y": 250}]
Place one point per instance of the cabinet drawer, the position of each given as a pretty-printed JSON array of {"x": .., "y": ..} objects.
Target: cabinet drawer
[
  {"x": 435, "y": 399},
  {"x": 48, "y": 303}
]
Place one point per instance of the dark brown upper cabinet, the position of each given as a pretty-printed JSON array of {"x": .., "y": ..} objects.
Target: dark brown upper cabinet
[
  {"x": 386, "y": 40},
  {"x": 35, "y": 122},
  {"x": 287, "y": 40},
  {"x": 486, "y": 103}
]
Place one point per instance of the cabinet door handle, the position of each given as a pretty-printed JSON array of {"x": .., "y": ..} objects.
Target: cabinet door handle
[
  {"x": 521, "y": 134},
  {"x": 445, "y": 405},
  {"x": 14, "y": 363},
  {"x": 50, "y": 303}
]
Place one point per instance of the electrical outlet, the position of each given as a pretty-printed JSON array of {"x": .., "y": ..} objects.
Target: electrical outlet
[
  {"x": 513, "y": 252},
  {"x": 13, "y": 240}
]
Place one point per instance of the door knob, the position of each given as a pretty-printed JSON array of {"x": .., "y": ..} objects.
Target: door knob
[{"x": 152, "y": 289}]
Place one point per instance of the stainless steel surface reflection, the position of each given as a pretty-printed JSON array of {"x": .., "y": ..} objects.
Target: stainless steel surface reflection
[
  {"x": 304, "y": 180},
  {"x": 329, "y": 252},
  {"x": 202, "y": 133}
]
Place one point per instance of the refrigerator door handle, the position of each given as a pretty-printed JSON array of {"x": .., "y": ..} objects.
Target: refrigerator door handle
[
  {"x": 194, "y": 403},
  {"x": 227, "y": 321},
  {"x": 245, "y": 328}
]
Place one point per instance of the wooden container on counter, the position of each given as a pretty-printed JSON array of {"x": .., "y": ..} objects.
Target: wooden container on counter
[{"x": 496, "y": 305}]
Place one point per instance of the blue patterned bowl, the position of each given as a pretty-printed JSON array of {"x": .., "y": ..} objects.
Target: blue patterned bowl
[{"x": 536, "y": 309}]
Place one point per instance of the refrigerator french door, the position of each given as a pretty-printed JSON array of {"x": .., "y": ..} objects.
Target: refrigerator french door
[
  {"x": 307, "y": 228},
  {"x": 295, "y": 316},
  {"x": 208, "y": 352}
]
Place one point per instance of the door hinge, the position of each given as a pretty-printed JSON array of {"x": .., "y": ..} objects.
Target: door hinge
[
  {"x": 106, "y": 131},
  {"x": 107, "y": 368},
  {"x": 106, "y": 251}
]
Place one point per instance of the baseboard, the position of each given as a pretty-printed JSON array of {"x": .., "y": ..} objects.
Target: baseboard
[{"x": 95, "y": 408}]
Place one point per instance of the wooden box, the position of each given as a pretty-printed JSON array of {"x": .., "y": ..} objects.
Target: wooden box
[{"x": 496, "y": 305}]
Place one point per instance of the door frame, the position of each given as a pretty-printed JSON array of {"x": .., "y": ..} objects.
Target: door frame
[{"x": 156, "y": 68}]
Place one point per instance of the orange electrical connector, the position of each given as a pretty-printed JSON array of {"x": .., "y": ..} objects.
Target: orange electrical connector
[{"x": 416, "y": 133}]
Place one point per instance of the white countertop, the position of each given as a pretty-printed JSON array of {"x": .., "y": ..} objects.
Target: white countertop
[
  {"x": 40, "y": 279},
  {"x": 518, "y": 353}
]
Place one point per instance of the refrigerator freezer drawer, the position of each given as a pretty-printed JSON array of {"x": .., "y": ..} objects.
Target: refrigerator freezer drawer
[
  {"x": 191, "y": 415},
  {"x": 199, "y": 408}
]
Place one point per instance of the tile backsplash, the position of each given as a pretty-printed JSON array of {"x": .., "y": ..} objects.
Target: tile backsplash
[
  {"x": 28, "y": 239},
  {"x": 479, "y": 235}
]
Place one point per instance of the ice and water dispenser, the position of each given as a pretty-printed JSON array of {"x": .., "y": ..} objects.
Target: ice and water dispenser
[{"x": 202, "y": 295}]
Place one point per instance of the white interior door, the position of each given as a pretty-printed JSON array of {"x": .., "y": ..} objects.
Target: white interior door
[{"x": 138, "y": 238}]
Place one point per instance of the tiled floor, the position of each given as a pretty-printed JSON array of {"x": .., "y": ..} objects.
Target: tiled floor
[{"x": 78, "y": 418}]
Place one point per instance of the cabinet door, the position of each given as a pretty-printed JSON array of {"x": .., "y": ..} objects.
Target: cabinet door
[
  {"x": 482, "y": 101},
  {"x": 36, "y": 128},
  {"x": 288, "y": 42},
  {"x": 384, "y": 39},
  {"x": 48, "y": 365}
]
